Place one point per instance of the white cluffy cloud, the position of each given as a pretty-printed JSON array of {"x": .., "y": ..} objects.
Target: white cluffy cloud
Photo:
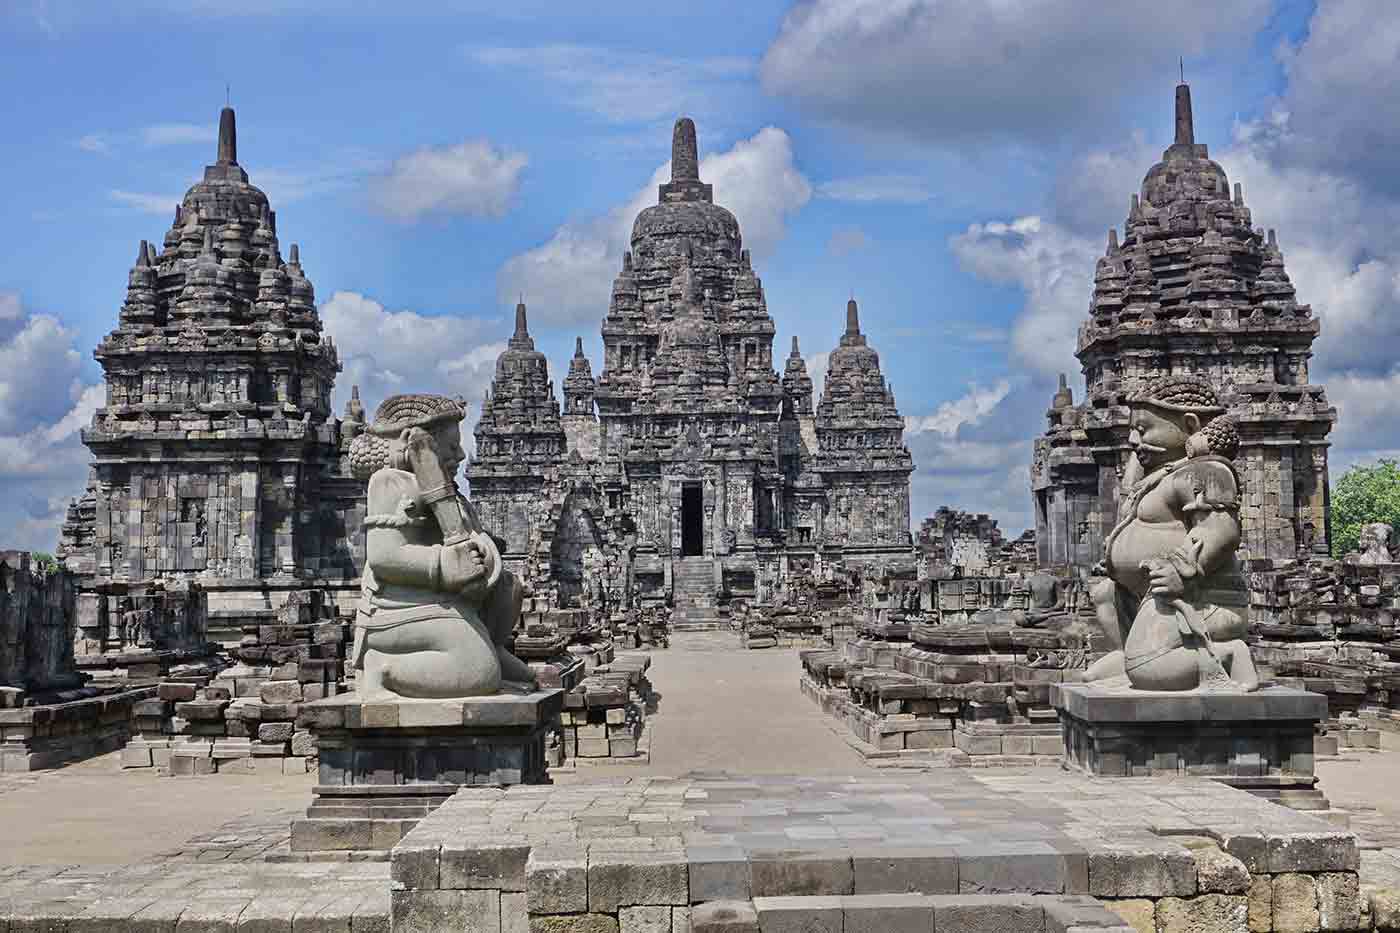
[
  {"x": 473, "y": 178},
  {"x": 569, "y": 277},
  {"x": 1055, "y": 269},
  {"x": 144, "y": 201},
  {"x": 617, "y": 85},
  {"x": 386, "y": 352},
  {"x": 992, "y": 71},
  {"x": 877, "y": 189},
  {"x": 44, "y": 403},
  {"x": 969, "y": 409}
]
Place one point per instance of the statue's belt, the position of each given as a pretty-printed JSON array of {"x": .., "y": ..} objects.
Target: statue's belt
[{"x": 376, "y": 619}]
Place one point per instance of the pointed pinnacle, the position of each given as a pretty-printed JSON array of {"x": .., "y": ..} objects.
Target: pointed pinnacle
[
  {"x": 228, "y": 138},
  {"x": 685, "y": 157},
  {"x": 1185, "y": 126},
  {"x": 141, "y": 260}
]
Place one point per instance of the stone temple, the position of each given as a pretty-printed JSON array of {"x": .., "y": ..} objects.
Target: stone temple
[
  {"x": 1193, "y": 288},
  {"x": 215, "y": 454},
  {"x": 689, "y": 466}
]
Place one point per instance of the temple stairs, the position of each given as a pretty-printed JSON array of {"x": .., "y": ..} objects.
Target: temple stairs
[{"x": 693, "y": 589}]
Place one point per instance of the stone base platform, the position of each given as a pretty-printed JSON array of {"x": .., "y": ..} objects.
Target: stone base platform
[
  {"x": 384, "y": 764},
  {"x": 1010, "y": 850},
  {"x": 1261, "y": 742},
  {"x": 34, "y": 738}
]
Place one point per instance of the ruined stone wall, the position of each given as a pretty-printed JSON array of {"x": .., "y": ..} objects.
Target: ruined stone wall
[
  {"x": 162, "y": 615},
  {"x": 37, "y": 615}
]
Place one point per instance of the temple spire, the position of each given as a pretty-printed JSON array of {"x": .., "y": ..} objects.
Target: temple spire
[
  {"x": 685, "y": 155},
  {"x": 228, "y": 138},
  {"x": 578, "y": 346},
  {"x": 852, "y": 319},
  {"x": 795, "y": 351},
  {"x": 1185, "y": 127},
  {"x": 521, "y": 327}
]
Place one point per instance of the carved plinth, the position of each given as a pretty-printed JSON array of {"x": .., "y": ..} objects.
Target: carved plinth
[
  {"x": 386, "y": 764},
  {"x": 1261, "y": 742}
]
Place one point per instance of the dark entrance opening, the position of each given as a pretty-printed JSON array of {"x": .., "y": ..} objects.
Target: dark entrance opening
[{"x": 692, "y": 521}]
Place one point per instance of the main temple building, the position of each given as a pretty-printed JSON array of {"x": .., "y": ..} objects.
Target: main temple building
[
  {"x": 1192, "y": 288},
  {"x": 689, "y": 466}
]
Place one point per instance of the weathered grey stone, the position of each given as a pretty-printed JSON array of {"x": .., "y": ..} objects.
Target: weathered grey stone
[
  {"x": 556, "y": 880},
  {"x": 1295, "y": 903},
  {"x": 644, "y": 920},
  {"x": 1004, "y": 914},
  {"x": 891, "y": 870},
  {"x": 793, "y": 873},
  {"x": 819, "y": 914},
  {"x": 1339, "y": 900},
  {"x": 736, "y": 916},
  {"x": 622, "y": 879},
  {"x": 432, "y": 911},
  {"x": 574, "y": 923},
  {"x": 1219, "y": 873},
  {"x": 480, "y": 865},
  {"x": 1204, "y": 913},
  {"x": 887, "y": 913}
]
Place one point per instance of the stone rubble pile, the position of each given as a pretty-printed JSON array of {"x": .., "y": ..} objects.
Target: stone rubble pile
[
  {"x": 245, "y": 718},
  {"x": 605, "y": 715},
  {"x": 1329, "y": 626}
]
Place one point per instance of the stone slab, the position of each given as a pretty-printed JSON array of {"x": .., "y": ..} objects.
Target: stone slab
[{"x": 1093, "y": 703}]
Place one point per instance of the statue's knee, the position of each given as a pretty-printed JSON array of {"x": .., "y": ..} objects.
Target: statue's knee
[{"x": 1103, "y": 593}]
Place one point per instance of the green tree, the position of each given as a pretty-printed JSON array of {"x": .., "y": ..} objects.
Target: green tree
[{"x": 1363, "y": 495}]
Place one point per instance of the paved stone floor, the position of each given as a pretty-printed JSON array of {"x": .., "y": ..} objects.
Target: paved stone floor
[{"x": 94, "y": 813}]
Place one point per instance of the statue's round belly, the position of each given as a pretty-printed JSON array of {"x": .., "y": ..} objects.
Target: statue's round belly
[{"x": 1138, "y": 542}]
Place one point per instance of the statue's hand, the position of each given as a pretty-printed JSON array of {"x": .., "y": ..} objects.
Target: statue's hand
[
  {"x": 1163, "y": 578},
  {"x": 461, "y": 565}
]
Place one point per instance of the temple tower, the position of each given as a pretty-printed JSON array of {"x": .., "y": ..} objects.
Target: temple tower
[
  {"x": 1192, "y": 287},
  {"x": 519, "y": 440},
  {"x": 215, "y": 453},
  {"x": 580, "y": 416},
  {"x": 861, "y": 456}
]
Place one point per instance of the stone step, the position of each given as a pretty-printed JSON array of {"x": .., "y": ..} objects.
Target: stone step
[{"x": 910, "y": 912}]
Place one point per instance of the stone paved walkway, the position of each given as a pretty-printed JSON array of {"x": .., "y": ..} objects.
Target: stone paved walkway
[{"x": 724, "y": 707}]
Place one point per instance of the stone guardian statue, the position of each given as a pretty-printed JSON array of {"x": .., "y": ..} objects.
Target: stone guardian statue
[
  {"x": 436, "y": 604},
  {"x": 1174, "y": 603},
  {"x": 1373, "y": 544}
]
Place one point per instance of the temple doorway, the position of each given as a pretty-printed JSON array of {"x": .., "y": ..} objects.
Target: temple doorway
[{"x": 692, "y": 521}]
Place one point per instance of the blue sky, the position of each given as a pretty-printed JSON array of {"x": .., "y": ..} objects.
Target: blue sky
[{"x": 955, "y": 165}]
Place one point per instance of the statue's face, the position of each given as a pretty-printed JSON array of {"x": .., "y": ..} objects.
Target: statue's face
[
  {"x": 1157, "y": 437},
  {"x": 448, "y": 440}
]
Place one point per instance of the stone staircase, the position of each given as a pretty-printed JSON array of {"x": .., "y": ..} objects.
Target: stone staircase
[{"x": 693, "y": 581}]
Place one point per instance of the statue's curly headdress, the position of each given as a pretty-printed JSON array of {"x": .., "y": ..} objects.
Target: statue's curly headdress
[
  {"x": 372, "y": 450},
  {"x": 1180, "y": 393}
]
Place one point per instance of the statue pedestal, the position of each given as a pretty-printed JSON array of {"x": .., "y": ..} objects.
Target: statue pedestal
[
  {"x": 386, "y": 764},
  {"x": 1261, "y": 742}
]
